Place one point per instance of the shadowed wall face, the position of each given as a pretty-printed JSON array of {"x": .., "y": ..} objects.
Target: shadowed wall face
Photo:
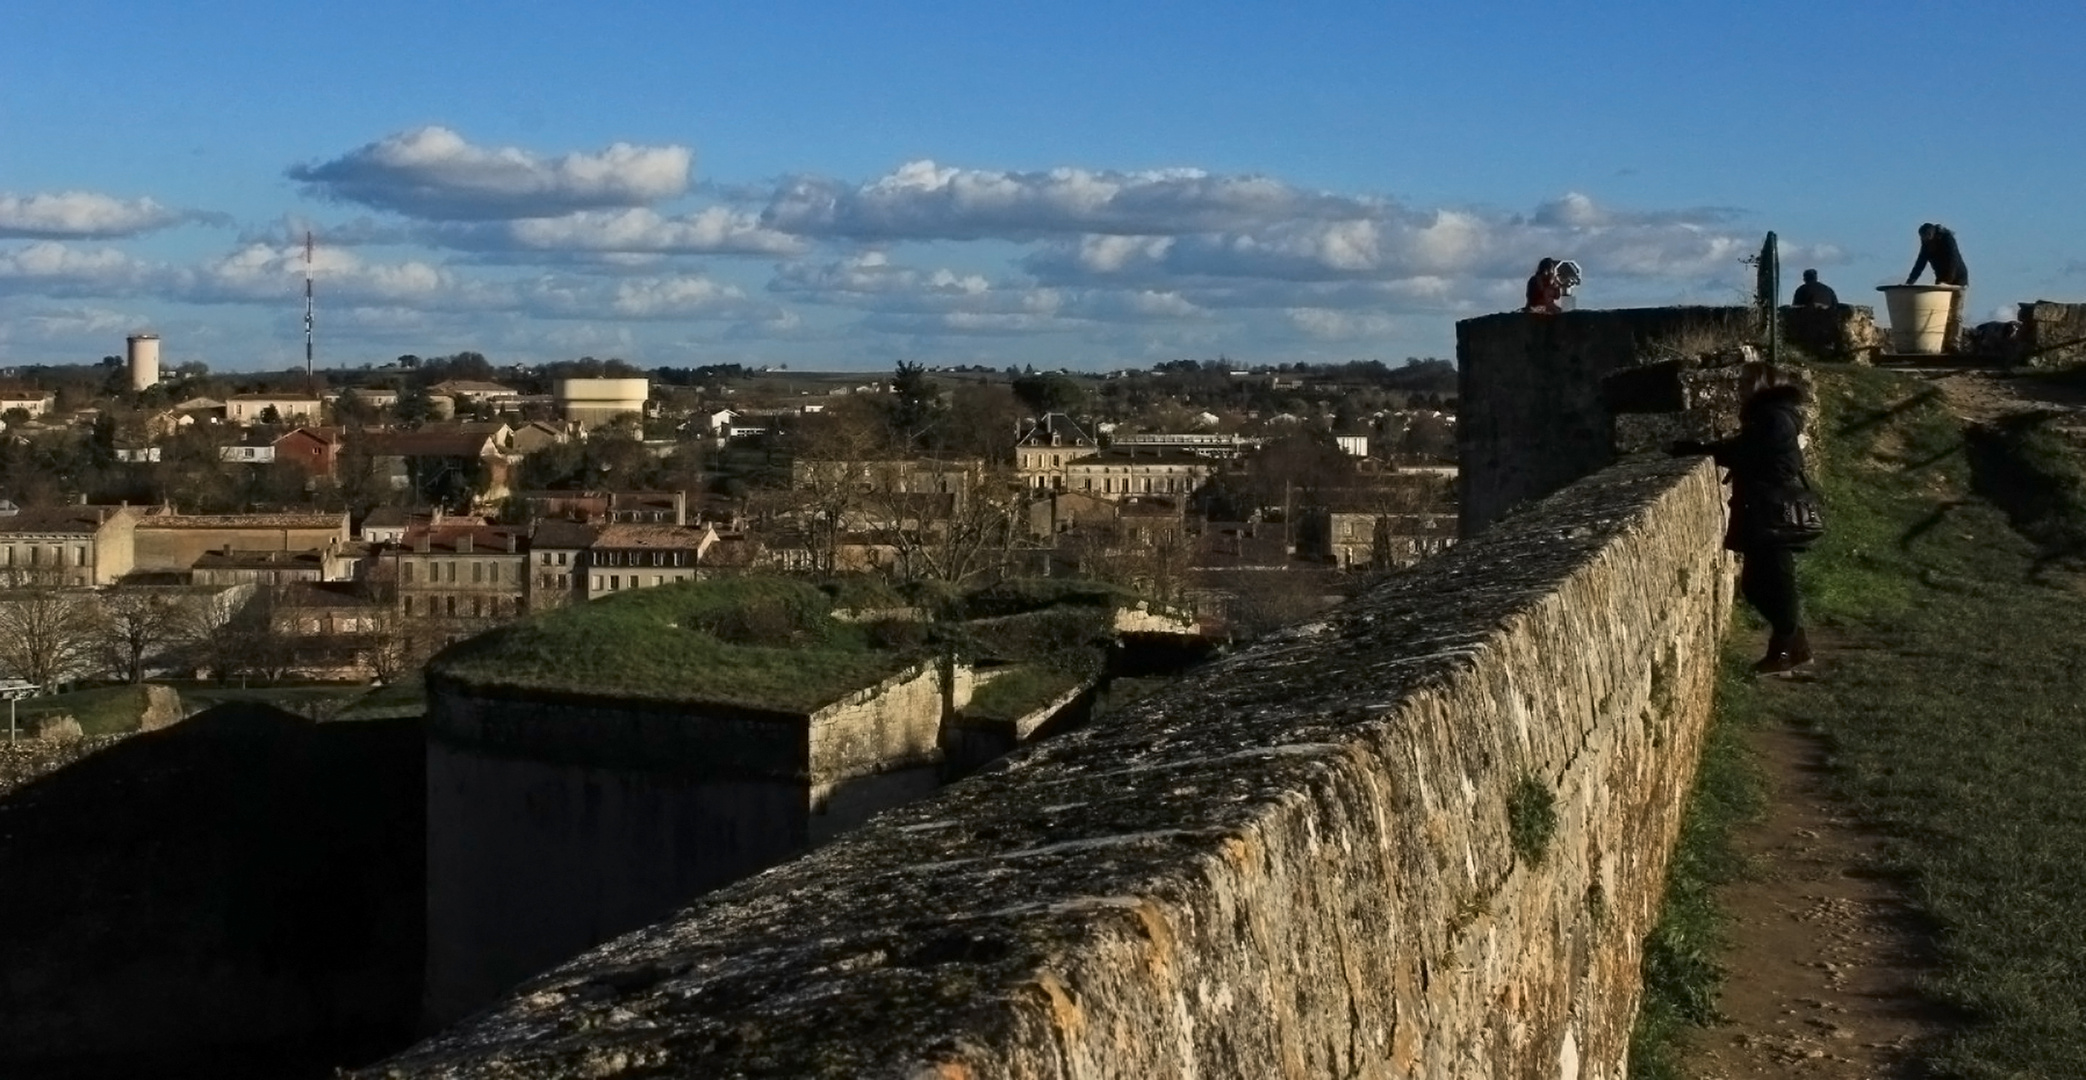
[
  {"x": 559, "y": 821},
  {"x": 238, "y": 894},
  {"x": 1531, "y": 414},
  {"x": 1423, "y": 834}
]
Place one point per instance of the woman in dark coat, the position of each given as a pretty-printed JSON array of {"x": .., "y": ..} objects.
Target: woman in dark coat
[{"x": 1765, "y": 462}]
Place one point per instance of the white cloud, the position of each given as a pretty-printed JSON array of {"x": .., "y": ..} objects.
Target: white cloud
[
  {"x": 49, "y": 268},
  {"x": 926, "y": 201},
  {"x": 1327, "y": 325},
  {"x": 52, "y": 323},
  {"x": 433, "y": 173},
  {"x": 710, "y": 231},
  {"x": 80, "y": 215},
  {"x": 674, "y": 297}
]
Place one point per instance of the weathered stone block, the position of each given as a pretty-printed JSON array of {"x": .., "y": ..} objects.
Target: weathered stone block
[
  {"x": 2052, "y": 334},
  {"x": 1846, "y": 333}
]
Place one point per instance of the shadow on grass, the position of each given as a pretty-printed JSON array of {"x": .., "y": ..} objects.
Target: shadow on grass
[
  {"x": 1877, "y": 418},
  {"x": 2021, "y": 465}
]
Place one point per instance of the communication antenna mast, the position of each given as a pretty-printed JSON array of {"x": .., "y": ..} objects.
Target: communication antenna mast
[{"x": 310, "y": 384}]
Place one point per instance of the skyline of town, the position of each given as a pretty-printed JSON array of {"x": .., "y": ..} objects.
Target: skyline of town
[{"x": 838, "y": 188}]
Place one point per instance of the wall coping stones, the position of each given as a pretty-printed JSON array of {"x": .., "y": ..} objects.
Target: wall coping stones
[{"x": 1296, "y": 862}]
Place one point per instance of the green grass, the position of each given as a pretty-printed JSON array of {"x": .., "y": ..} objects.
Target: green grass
[
  {"x": 1682, "y": 970},
  {"x": 101, "y": 710},
  {"x": 1020, "y": 691},
  {"x": 760, "y": 642},
  {"x": 1956, "y": 710}
]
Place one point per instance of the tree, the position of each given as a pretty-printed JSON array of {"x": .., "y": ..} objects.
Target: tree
[
  {"x": 914, "y": 404},
  {"x": 271, "y": 416},
  {"x": 48, "y": 636},
  {"x": 414, "y": 407},
  {"x": 951, "y": 536},
  {"x": 136, "y": 626},
  {"x": 1050, "y": 392}
]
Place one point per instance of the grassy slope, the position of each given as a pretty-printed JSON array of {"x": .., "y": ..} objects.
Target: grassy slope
[{"x": 1958, "y": 711}]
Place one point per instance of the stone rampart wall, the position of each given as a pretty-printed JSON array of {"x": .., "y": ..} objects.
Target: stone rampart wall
[{"x": 1299, "y": 862}]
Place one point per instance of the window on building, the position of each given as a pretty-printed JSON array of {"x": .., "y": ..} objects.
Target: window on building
[
  {"x": 450, "y": 603},
  {"x": 546, "y": 558},
  {"x": 477, "y": 607},
  {"x": 658, "y": 579},
  {"x": 405, "y": 572},
  {"x": 615, "y": 581},
  {"x": 477, "y": 573},
  {"x": 452, "y": 572},
  {"x": 79, "y": 554},
  {"x": 659, "y": 558},
  {"x": 561, "y": 558}
]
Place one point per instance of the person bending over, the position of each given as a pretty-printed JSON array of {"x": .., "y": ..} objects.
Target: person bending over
[{"x": 1937, "y": 248}]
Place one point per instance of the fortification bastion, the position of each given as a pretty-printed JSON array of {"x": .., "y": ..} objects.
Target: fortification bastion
[
  {"x": 559, "y": 817},
  {"x": 1421, "y": 836}
]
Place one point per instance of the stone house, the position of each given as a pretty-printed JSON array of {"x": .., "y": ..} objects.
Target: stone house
[
  {"x": 170, "y": 542},
  {"x": 34, "y": 402},
  {"x": 473, "y": 391},
  {"x": 460, "y": 573},
  {"x": 313, "y": 449},
  {"x": 629, "y": 556},
  {"x": 558, "y": 561},
  {"x": 231, "y": 566},
  {"x": 449, "y": 465},
  {"x": 1118, "y": 472},
  {"x": 78, "y": 546},
  {"x": 1047, "y": 448},
  {"x": 289, "y": 408}
]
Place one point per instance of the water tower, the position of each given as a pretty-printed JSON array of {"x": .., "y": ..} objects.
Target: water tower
[{"x": 143, "y": 354}]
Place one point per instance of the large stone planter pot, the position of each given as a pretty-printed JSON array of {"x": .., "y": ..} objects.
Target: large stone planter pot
[{"x": 1918, "y": 316}]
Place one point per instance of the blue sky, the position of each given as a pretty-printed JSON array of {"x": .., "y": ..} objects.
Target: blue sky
[{"x": 1088, "y": 185}]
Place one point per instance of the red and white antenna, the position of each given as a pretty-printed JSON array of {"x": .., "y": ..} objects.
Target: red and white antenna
[{"x": 309, "y": 384}]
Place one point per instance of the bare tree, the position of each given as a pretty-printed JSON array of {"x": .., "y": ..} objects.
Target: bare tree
[
  {"x": 137, "y": 625},
  {"x": 952, "y": 536},
  {"x": 48, "y": 636}
]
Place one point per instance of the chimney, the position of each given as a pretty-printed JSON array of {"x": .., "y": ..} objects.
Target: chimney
[
  {"x": 513, "y": 543},
  {"x": 423, "y": 543},
  {"x": 463, "y": 544},
  {"x": 681, "y": 507}
]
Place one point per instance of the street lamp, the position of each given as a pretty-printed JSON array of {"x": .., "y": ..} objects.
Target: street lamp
[{"x": 14, "y": 690}]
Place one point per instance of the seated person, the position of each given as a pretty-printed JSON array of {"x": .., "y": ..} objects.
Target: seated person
[{"x": 1814, "y": 293}]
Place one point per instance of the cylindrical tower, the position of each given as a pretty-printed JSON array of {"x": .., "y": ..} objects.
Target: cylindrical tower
[
  {"x": 598, "y": 401},
  {"x": 143, "y": 354}
]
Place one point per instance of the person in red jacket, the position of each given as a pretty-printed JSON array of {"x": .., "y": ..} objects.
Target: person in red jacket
[{"x": 1545, "y": 290}]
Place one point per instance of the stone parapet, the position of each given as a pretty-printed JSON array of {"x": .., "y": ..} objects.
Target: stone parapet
[
  {"x": 1422, "y": 835},
  {"x": 2052, "y": 334}
]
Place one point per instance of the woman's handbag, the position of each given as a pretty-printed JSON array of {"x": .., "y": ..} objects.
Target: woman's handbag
[{"x": 1794, "y": 519}]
